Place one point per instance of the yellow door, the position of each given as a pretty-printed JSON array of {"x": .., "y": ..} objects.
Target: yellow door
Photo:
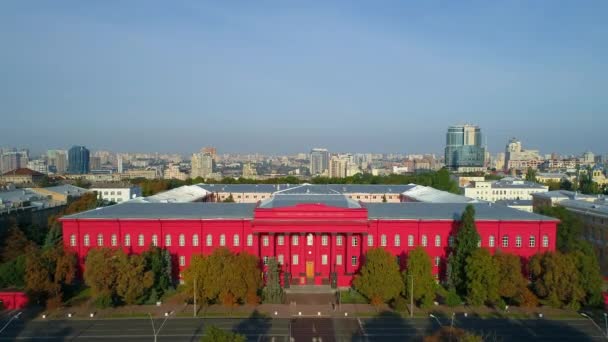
[{"x": 310, "y": 269}]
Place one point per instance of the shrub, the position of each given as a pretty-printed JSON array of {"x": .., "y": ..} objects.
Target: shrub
[
  {"x": 452, "y": 298},
  {"x": 527, "y": 299},
  {"x": 400, "y": 304},
  {"x": 103, "y": 302}
]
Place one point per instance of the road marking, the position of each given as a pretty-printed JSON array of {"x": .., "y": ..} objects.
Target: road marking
[{"x": 361, "y": 327}]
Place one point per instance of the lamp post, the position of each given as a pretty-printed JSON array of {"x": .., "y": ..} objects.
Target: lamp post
[
  {"x": 194, "y": 313},
  {"x": 411, "y": 296},
  {"x": 14, "y": 317},
  {"x": 592, "y": 321},
  {"x": 154, "y": 331},
  {"x": 606, "y": 323},
  {"x": 437, "y": 319}
]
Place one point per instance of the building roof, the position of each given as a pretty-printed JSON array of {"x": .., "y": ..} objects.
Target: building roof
[
  {"x": 305, "y": 188},
  {"x": 597, "y": 208},
  {"x": 242, "y": 188},
  {"x": 428, "y": 194},
  {"x": 509, "y": 183},
  {"x": 186, "y": 211},
  {"x": 183, "y": 194},
  {"x": 66, "y": 189},
  {"x": 448, "y": 211},
  {"x": 23, "y": 172},
  {"x": 289, "y": 200},
  {"x": 515, "y": 202},
  {"x": 562, "y": 194}
]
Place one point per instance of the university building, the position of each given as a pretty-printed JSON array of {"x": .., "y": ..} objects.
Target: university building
[{"x": 313, "y": 232}]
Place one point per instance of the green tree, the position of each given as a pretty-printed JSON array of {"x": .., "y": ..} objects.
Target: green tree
[
  {"x": 12, "y": 273},
  {"x": 569, "y": 229},
  {"x": 511, "y": 280},
  {"x": 419, "y": 268},
  {"x": 215, "y": 334},
  {"x": 132, "y": 280},
  {"x": 379, "y": 278},
  {"x": 273, "y": 293},
  {"x": 229, "y": 199},
  {"x": 556, "y": 279},
  {"x": 482, "y": 278},
  {"x": 465, "y": 243},
  {"x": 158, "y": 261},
  {"x": 590, "y": 276},
  {"x": 531, "y": 175}
]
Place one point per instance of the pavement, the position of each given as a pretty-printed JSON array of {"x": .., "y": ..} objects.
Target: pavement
[{"x": 385, "y": 327}]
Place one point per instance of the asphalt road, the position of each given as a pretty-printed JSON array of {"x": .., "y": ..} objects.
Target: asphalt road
[{"x": 302, "y": 329}]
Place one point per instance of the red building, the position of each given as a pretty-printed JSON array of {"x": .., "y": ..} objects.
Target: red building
[{"x": 311, "y": 235}]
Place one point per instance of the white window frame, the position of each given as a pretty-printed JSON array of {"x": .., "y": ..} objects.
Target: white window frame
[
  {"x": 354, "y": 260},
  {"x": 518, "y": 241},
  {"x": 73, "y": 240},
  {"x": 437, "y": 261},
  {"x": 410, "y": 240},
  {"x": 324, "y": 240},
  {"x": 310, "y": 240},
  {"x": 424, "y": 240},
  {"x": 505, "y": 240},
  {"x": 294, "y": 240},
  {"x": 155, "y": 240},
  {"x": 281, "y": 259},
  {"x": 128, "y": 240},
  {"x": 437, "y": 240},
  {"x": 338, "y": 240},
  {"x": 223, "y": 240},
  {"x": 397, "y": 240},
  {"x": 209, "y": 240},
  {"x": 265, "y": 241},
  {"x": 545, "y": 241},
  {"x": 280, "y": 240},
  {"x": 324, "y": 259},
  {"x": 140, "y": 240},
  {"x": 383, "y": 240},
  {"x": 492, "y": 241},
  {"x": 532, "y": 241},
  {"x": 182, "y": 260},
  {"x": 354, "y": 241},
  {"x": 87, "y": 240},
  {"x": 339, "y": 259},
  {"x": 99, "y": 240},
  {"x": 168, "y": 240},
  {"x": 182, "y": 240},
  {"x": 250, "y": 240},
  {"x": 114, "y": 240},
  {"x": 195, "y": 240},
  {"x": 236, "y": 240},
  {"x": 295, "y": 259},
  {"x": 370, "y": 240}
]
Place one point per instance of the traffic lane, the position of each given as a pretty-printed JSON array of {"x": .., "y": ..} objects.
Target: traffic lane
[{"x": 177, "y": 328}]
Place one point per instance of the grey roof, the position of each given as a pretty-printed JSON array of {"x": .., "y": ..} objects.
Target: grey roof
[
  {"x": 251, "y": 188},
  {"x": 514, "y": 202},
  {"x": 66, "y": 189},
  {"x": 448, "y": 211},
  {"x": 428, "y": 194},
  {"x": 517, "y": 184},
  {"x": 197, "y": 210},
  {"x": 288, "y": 200},
  {"x": 564, "y": 194},
  {"x": 598, "y": 208},
  {"x": 306, "y": 188}
]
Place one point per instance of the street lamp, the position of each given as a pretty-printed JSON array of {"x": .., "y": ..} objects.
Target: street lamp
[
  {"x": 437, "y": 319},
  {"x": 14, "y": 317},
  {"x": 156, "y": 332},
  {"x": 592, "y": 321},
  {"x": 411, "y": 295},
  {"x": 606, "y": 323}
]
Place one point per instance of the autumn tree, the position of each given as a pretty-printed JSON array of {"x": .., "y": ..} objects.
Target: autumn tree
[
  {"x": 556, "y": 279},
  {"x": 511, "y": 280},
  {"x": 101, "y": 274},
  {"x": 49, "y": 273},
  {"x": 379, "y": 278},
  {"x": 15, "y": 243},
  {"x": 419, "y": 268},
  {"x": 158, "y": 261},
  {"x": 132, "y": 281},
  {"x": 465, "y": 243},
  {"x": 482, "y": 278},
  {"x": 273, "y": 293}
]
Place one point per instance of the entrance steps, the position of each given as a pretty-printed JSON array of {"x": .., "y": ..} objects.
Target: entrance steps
[{"x": 310, "y": 289}]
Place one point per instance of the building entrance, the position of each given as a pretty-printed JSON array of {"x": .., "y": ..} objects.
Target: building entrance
[{"x": 310, "y": 269}]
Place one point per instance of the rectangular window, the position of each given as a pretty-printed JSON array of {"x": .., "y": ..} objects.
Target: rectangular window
[
  {"x": 437, "y": 241},
  {"x": 410, "y": 240},
  {"x": 437, "y": 261},
  {"x": 532, "y": 241},
  {"x": 265, "y": 241},
  {"x": 505, "y": 241},
  {"x": 294, "y": 240},
  {"x": 249, "y": 240},
  {"x": 339, "y": 240},
  {"x": 222, "y": 240},
  {"x": 324, "y": 239},
  {"x": 324, "y": 259},
  {"x": 370, "y": 240},
  {"x": 281, "y": 259},
  {"x": 339, "y": 259},
  {"x": 209, "y": 240},
  {"x": 265, "y": 260},
  {"x": 182, "y": 260},
  {"x": 114, "y": 240},
  {"x": 294, "y": 260},
  {"x": 355, "y": 241},
  {"x": 353, "y": 260},
  {"x": 383, "y": 240},
  {"x": 280, "y": 240},
  {"x": 236, "y": 240},
  {"x": 397, "y": 240}
]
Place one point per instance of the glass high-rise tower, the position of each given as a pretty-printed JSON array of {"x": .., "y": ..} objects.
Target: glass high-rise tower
[
  {"x": 463, "y": 150},
  {"x": 78, "y": 160}
]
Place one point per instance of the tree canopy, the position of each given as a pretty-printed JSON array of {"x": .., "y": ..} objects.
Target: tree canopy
[
  {"x": 482, "y": 278},
  {"x": 379, "y": 278},
  {"x": 465, "y": 243},
  {"x": 420, "y": 268}
]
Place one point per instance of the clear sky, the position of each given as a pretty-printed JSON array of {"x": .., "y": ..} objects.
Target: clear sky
[{"x": 285, "y": 76}]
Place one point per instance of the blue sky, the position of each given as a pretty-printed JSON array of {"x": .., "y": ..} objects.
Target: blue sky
[{"x": 285, "y": 76}]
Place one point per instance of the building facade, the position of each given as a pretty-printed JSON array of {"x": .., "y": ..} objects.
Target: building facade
[
  {"x": 116, "y": 193},
  {"x": 516, "y": 158},
  {"x": 319, "y": 161},
  {"x": 202, "y": 165},
  {"x": 504, "y": 189},
  {"x": 78, "y": 160},
  {"x": 312, "y": 235},
  {"x": 463, "y": 150}
]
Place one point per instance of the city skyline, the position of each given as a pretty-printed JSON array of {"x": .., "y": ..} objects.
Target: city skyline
[{"x": 281, "y": 78}]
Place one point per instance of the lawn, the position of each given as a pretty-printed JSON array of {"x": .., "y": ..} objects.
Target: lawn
[{"x": 351, "y": 296}]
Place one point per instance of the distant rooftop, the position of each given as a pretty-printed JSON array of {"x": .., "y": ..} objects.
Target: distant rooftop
[
  {"x": 598, "y": 208},
  {"x": 562, "y": 194},
  {"x": 289, "y": 200},
  {"x": 66, "y": 189},
  {"x": 428, "y": 194},
  {"x": 23, "y": 172},
  {"x": 514, "y": 202},
  {"x": 183, "y": 194}
]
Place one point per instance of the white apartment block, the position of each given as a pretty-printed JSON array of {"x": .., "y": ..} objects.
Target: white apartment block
[
  {"x": 117, "y": 194},
  {"x": 505, "y": 189}
]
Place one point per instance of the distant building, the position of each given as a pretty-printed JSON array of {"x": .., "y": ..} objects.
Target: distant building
[
  {"x": 173, "y": 172},
  {"x": 516, "y": 158},
  {"x": 147, "y": 174},
  {"x": 202, "y": 165},
  {"x": 319, "y": 161},
  {"x": 95, "y": 163},
  {"x": 116, "y": 192},
  {"x": 210, "y": 150},
  {"x": 38, "y": 165},
  {"x": 498, "y": 163},
  {"x": 588, "y": 159},
  {"x": 338, "y": 167},
  {"x": 249, "y": 171},
  {"x": 57, "y": 161},
  {"x": 545, "y": 177},
  {"x": 78, "y": 160},
  {"x": 60, "y": 194},
  {"x": 21, "y": 176},
  {"x": 463, "y": 150},
  {"x": 119, "y": 163},
  {"x": 504, "y": 189},
  {"x": 12, "y": 160}
]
